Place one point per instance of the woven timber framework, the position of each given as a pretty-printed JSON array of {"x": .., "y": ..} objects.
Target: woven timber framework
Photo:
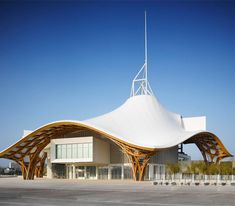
[
  {"x": 138, "y": 158},
  {"x": 28, "y": 152},
  {"x": 40, "y": 166},
  {"x": 211, "y": 147}
]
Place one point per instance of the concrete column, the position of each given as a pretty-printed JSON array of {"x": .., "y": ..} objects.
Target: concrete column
[
  {"x": 109, "y": 173},
  {"x": 49, "y": 169},
  {"x": 151, "y": 170},
  {"x": 73, "y": 168},
  {"x": 164, "y": 172},
  {"x": 122, "y": 176},
  {"x": 85, "y": 174},
  {"x": 96, "y": 173},
  {"x": 70, "y": 172},
  {"x": 66, "y": 171}
]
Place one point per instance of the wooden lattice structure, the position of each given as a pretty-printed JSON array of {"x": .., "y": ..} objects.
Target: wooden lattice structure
[
  {"x": 28, "y": 152},
  {"x": 211, "y": 147},
  {"x": 138, "y": 158}
]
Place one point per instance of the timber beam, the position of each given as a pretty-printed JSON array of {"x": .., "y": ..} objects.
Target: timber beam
[
  {"x": 138, "y": 158},
  {"x": 40, "y": 165},
  {"x": 210, "y": 146}
]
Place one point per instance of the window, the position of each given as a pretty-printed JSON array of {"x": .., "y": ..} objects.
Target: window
[
  {"x": 127, "y": 172},
  {"x": 116, "y": 172},
  {"x": 85, "y": 150},
  {"x": 69, "y": 151},
  {"x": 74, "y": 151},
  {"x": 80, "y": 151},
  {"x": 90, "y": 153},
  {"x": 58, "y": 151},
  {"x": 63, "y": 151}
]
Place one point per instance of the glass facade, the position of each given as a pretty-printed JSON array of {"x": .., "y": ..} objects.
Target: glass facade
[
  {"x": 128, "y": 172},
  {"x": 59, "y": 171},
  {"x": 112, "y": 171},
  {"x": 103, "y": 173},
  {"x": 91, "y": 172},
  {"x": 158, "y": 172},
  {"x": 80, "y": 172},
  {"x": 74, "y": 151},
  {"x": 116, "y": 172}
]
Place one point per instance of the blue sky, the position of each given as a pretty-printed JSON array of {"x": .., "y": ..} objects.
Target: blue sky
[{"x": 76, "y": 60}]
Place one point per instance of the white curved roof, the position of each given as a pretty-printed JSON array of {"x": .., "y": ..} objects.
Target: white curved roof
[{"x": 142, "y": 121}]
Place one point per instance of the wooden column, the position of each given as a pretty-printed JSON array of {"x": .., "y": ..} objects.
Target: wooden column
[
  {"x": 138, "y": 157},
  {"x": 40, "y": 165},
  {"x": 29, "y": 169},
  {"x": 139, "y": 163},
  {"x": 210, "y": 146}
]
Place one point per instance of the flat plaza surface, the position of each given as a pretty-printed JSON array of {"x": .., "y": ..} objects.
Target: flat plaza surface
[{"x": 15, "y": 191}]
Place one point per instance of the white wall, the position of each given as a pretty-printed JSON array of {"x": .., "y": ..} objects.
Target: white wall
[
  {"x": 48, "y": 162},
  {"x": 101, "y": 151},
  {"x": 194, "y": 123}
]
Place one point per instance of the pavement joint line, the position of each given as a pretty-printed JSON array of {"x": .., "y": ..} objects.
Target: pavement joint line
[
  {"x": 149, "y": 203},
  {"x": 22, "y": 203},
  {"x": 110, "y": 202},
  {"x": 123, "y": 202}
]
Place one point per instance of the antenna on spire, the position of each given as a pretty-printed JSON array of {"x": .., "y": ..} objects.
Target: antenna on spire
[
  {"x": 145, "y": 42},
  {"x": 140, "y": 84}
]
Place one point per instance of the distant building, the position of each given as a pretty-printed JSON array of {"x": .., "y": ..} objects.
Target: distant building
[
  {"x": 181, "y": 155},
  {"x": 14, "y": 165}
]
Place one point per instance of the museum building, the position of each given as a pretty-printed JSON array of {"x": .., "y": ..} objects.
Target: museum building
[{"x": 134, "y": 141}]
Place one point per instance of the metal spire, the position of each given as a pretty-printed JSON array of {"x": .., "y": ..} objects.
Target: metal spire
[
  {"x": 140, "y": 84},
  {"x": 145, "y": 44}
]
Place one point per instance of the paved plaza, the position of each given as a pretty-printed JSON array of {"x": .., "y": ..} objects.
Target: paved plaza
[{"x": 15, "y": 191}]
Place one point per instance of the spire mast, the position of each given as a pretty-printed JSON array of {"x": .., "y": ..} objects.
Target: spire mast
[
  {"x": 140, "y": 84},
  {"x": 145, "y": 45}
]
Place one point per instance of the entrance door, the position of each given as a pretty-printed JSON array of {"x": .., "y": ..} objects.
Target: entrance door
[
  {"x": 91, "y": 172},
  {"x": 80, "y": 172}
]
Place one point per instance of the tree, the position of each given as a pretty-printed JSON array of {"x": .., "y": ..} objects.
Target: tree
[
  {"x": 202, "y": 167},
  {"x": 173, "y": 169},
  {"x": 225, "y": 168},
  {"x": 212, "y": 169}
]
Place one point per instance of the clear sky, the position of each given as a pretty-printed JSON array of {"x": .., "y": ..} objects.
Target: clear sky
[{"x": 75, "y": 60}]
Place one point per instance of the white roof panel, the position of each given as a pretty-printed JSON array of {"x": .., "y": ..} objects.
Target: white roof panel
[{"x": 142, "y": 121}]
